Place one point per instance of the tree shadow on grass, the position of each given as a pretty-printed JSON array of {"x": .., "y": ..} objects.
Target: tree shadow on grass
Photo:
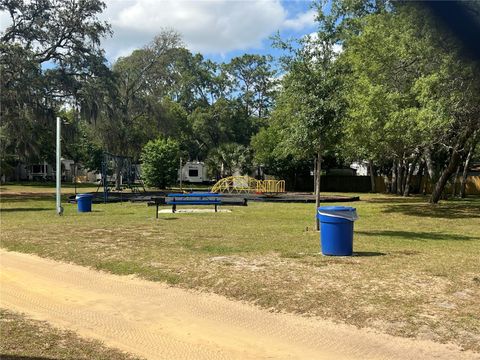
[
  {"x": 442, "y": 211},
  {"x": 397, "y": 200},
  {"x": 417, "y": 235},
  {"x": 367, "y": 253},
  {"x": 25, "y": 198},
  {"x": 33, "y": 209},
  {"x": 19, "y": 357}
]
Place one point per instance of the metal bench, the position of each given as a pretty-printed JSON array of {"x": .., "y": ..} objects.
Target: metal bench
[{"x": 193, "y": 199}]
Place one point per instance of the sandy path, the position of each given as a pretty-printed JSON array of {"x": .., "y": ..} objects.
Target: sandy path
[{"x": 159, "y": 322}]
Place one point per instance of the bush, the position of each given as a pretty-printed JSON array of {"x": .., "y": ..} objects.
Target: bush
[{"x": 160, "y": 162}]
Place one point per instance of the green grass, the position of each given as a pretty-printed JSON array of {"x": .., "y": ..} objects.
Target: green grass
[
  {"x": 45, "y": 188},
  {"x": 69, "y": 188},
  {"x": 23, "y": 338},
  {"x": 415, "y": 271}
]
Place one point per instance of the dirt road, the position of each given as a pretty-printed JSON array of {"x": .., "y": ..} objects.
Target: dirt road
[{"x": 159, "y": 322}]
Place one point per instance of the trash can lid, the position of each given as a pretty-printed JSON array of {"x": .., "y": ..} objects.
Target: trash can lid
[
  {"x": 336, "y": 208},
  {"x": 82, "y": 196},
  {"x": 343, "y": 212}
]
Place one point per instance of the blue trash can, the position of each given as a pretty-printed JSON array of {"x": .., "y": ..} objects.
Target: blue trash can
[
  {"x": 336, "y": 229},
  {"x": 84, "y": 202}
]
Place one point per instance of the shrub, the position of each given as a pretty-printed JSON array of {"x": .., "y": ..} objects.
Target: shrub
[{"x": 160, "y": 162}]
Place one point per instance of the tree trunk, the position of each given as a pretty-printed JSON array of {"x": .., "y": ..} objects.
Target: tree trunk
[
  {"x": 430, "y": 171},
  {"x": 442, "y": 181},
  {"x": 408, "y": 178},
  {"x": 400, "y": 176},
  {"x": 451, "y": 167},
  {"x": 372, "y": 175},
  {"x": 425, "y": 184},
  {"x": 420, "y": 173},
  {"x": 454, "y": 182},
  {"x": 406, "y": 169},
  {"x": 388, "y": 184},
  {"x": 463, "y": 181},
  {"x": 394, "y": 177},
  {"x": 428, "y": 161},
  {"x": 17, "y": 172},
  {"x": 317, "y": 188}
]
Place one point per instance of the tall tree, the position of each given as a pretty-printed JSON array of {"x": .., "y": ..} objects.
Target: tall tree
[
  {"x": 409, "y": 93},
  {"x": 381, "y": 123},
  {"x": 47, "y": 52},
  {"x": 310, "y": 93},
  {"x": 136, "y": 99},
  {"x": 254, "y": 80}
]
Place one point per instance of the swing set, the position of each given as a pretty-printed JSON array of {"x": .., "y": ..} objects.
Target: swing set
[{"x": 119, "y": 173}]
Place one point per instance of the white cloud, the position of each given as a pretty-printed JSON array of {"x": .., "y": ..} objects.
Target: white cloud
[
  {"x": 206, "y": 26},
  {"x": 302, "y": 21},
  {"x": 337, "y": 48},
  {"x": 5, "y": 20},
  {"x": 313, "y": 37}
]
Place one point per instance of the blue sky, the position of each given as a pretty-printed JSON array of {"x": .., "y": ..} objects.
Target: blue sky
[
  {"x": 294, "y": 9},
  {"x": 219, "y": 29}
]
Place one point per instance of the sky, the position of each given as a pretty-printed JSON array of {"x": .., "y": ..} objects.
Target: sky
[{"x": 219, "y": 29}]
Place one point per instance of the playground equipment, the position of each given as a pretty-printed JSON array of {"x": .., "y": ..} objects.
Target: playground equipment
[
  {"x": 119, "y": 172},
  {"x": 247, "y": 184}
]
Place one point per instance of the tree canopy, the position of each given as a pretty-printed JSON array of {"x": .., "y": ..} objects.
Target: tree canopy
[
  {"x": 409, "y": 94},
  {"x": 379, "y": 81},
  {"x": 48, "y": 53}
]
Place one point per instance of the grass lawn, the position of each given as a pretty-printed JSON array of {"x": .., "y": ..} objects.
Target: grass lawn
[
  {"x": 415, "y": 272},
  {"x": 46, "y": 188},
  {"x": 23, "y": 338}
]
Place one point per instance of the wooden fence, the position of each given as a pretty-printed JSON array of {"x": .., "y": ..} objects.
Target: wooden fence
[
  {"x": 334, "y": 183},
  {"x": 472, "y": 186}
]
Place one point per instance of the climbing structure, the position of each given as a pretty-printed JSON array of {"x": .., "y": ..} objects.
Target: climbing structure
[
  {"x": 270, "y": 186},
  {"x": 247, "y": 184}
]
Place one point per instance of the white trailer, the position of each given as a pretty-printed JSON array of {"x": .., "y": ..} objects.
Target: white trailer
[{"x": 193, "y": 172}]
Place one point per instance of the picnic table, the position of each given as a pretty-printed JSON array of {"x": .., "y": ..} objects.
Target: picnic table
[{"x": 159, "y": 200}]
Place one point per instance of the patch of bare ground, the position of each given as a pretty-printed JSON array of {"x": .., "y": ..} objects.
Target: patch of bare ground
[
  {"x": 161, "y": 322},
  {"x": 24, "y": 338},
  {"x": 403, "y": 304}
]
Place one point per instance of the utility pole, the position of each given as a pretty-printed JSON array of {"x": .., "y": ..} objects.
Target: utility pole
[
  {"x": 181, "y": 174},
  {"x": 58, "y": 176}
]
